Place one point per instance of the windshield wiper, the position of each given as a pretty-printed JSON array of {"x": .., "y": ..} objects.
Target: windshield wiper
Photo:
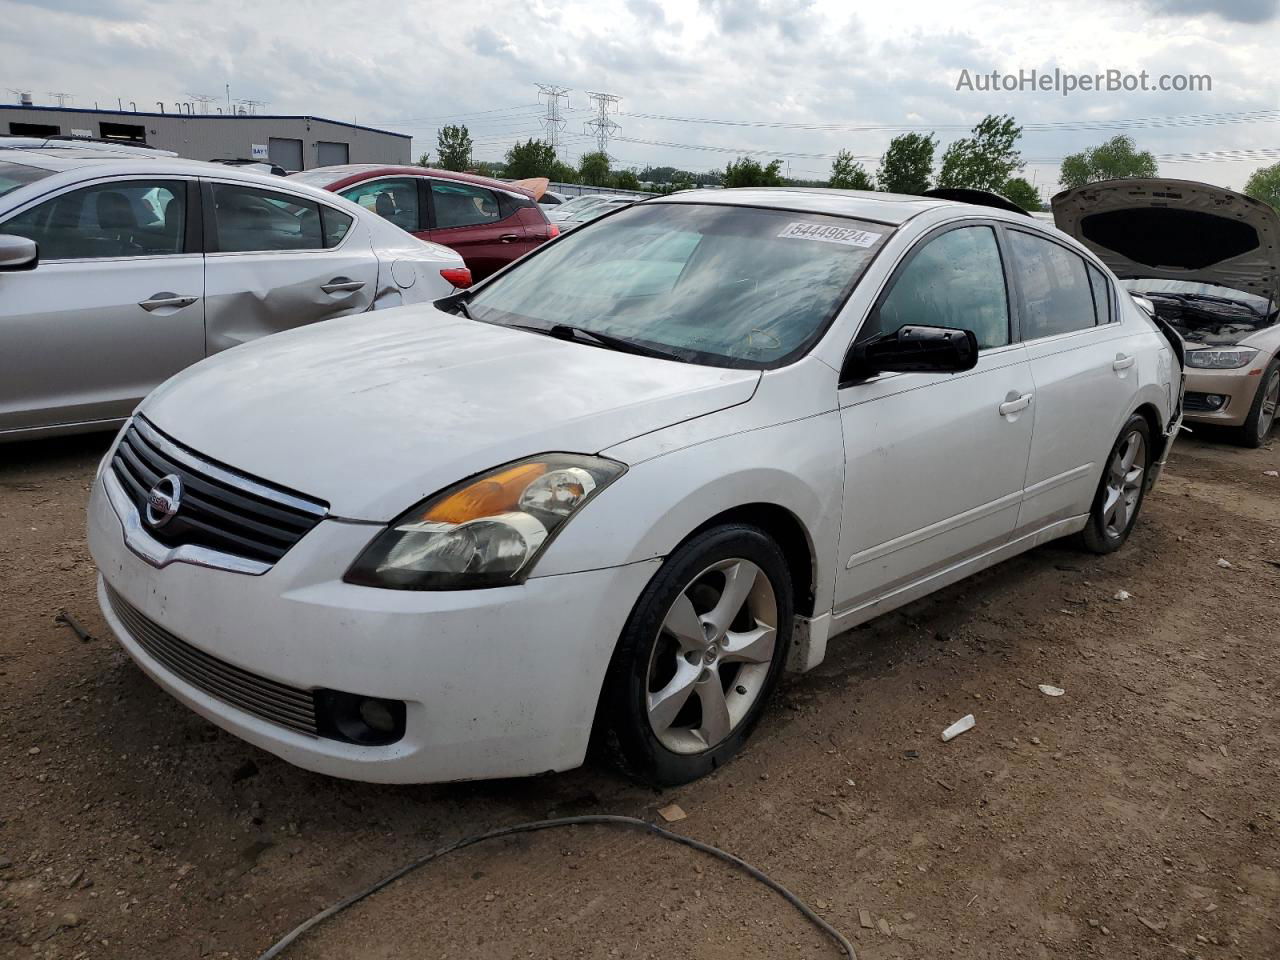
[
  {"x": 565, "y": 331},
  {"x": 456, "y": 303}
]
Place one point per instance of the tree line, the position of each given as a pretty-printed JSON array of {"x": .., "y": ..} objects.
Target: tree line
[{"x": 987, "y": 159}]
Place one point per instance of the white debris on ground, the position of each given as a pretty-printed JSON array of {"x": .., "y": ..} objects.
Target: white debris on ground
[
  {"x": 1051, "y": 691},
  {"x": 1224, "y": 563},
  {"x": 1122, "y": 595},
  {"x": 960, "y": 726}
]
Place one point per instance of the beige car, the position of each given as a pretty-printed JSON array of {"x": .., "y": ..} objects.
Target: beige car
[{"x": 1207, "y": 260}]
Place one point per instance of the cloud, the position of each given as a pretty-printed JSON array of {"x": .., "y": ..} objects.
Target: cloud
[{"x": 1238, "y": 11}]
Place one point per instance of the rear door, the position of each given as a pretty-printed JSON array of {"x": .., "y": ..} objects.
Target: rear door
[
  {"x": 115, "y": 306},
  {"x": 1084, "y": 367},
  {"x": 471, "y": 219},
  {"x": 276, "y": 260}
]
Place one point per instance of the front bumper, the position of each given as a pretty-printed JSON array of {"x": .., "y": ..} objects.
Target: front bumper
[
  {"x": 496, "y": 683},
  {"x": 1237, "y": 388}
]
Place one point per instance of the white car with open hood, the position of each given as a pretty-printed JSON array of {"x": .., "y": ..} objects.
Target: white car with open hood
[{"x": 616, "y": 489}]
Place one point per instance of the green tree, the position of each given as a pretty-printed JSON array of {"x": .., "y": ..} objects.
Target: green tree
[
  {"x": 849, "y": 174},
  {"x": 1264, "y": 185},
  {"x": 1021, "y": 192},
  {"x": 626, "y": 180},
  {"x": 984, "y": 160},
  {"x": 562, "y": 172},
  {"x": 745, "y": 172},
  {"x": 453, "y": 144},
  {"x": 425, "y": 159},
  {"x": 1114, "y": 160},
  {"x": 533, "y": 158},
  {"x": 487, "y": 168},
  {"x": 907, "y": 165},
  {"x": 594, "y": 169}
]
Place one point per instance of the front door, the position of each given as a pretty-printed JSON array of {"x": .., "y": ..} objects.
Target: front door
[
  {"x": 277, "y": 260},
  {"x": 935, "y": 463},
  {"x": 115, "y": 307}
]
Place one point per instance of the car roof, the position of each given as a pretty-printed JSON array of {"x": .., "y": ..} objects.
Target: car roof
[
  {"x": 889, "y": 208},
  {"x": 354, "y": 172},
  {"x": 67, "y": 167}
]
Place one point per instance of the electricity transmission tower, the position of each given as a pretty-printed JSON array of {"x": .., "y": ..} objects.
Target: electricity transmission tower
[
  {"x": 603, "y": 126},
  {"x": 62, "y": 98},
  {"x": 552, "y": 122},
  {"x": 204, "y": 100}
]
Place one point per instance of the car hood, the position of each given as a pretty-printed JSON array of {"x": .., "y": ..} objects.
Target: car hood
[
  {"x": 374, "y": 412},
  {"x": 1176, "y": 230}
]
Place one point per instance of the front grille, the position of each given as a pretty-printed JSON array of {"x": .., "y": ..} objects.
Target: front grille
[
  {"x": 272, "y": 701},
  {"x": 219, "y": 508}
]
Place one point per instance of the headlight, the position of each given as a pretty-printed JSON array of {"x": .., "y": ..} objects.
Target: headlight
[
  {"x": 1228, "y": 359},
  {"x": 486, "y": 531}
]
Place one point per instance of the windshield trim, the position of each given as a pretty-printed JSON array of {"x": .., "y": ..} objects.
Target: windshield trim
[{"x": 698, "y": 357}]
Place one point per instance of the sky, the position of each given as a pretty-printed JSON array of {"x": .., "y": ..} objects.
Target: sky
[{"x": 752, "y": 66}]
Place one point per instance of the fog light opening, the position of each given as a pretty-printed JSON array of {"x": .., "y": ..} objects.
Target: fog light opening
[
  {"x": 1214, "y": 400},
  {"x": 353, "y": 718}
]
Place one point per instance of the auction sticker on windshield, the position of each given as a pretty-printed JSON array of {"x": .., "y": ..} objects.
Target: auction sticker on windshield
[{"x": 799, "y": 230}]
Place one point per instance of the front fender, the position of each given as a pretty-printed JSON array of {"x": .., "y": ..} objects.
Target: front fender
[{"x": 647, "y": 512}]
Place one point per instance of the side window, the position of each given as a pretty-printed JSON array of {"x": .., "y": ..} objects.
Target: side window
[
  {"x": 336, "y": 225},
  {"x": 247, "y": 219},
  {"x": 128, "y": 218},
  {"x": 955, "y": 280},
  {"x": 462, "y": 205},
  {"x": 1056, "y": 294},
  {"x": 1101, "y": 294},
  {"x": 394, "y": 200}
]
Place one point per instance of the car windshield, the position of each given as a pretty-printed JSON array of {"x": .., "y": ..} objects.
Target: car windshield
[
  {"x": 320, "y": 177},
  {"x": 714, "y": 284},
  {"x": 578, "y": 204},
  {"x": 15, "y": 175},
  {"x": 597, "y": 210}
]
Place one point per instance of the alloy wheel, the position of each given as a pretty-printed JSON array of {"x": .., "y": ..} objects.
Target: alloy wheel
[
  {"x": 1270, "y": 399},
  {"x": 1124, "y": 484},
  {"x": 712, "y": 656}
]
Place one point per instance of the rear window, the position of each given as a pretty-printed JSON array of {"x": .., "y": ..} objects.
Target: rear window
[
  {"x": 721, "y": 285},
  {"x": 15, "y": 175}
]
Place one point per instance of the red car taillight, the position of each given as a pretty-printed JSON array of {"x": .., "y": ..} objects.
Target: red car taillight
[
  {"x": 460, "y": 277},
  {"x": 552, "y": 231}
]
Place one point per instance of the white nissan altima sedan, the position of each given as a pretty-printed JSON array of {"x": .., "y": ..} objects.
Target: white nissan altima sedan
[{"x": 616, "y": 489}]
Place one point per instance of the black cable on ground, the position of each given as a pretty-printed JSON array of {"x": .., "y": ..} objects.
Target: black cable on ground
[{"x": 587, "y": 820}]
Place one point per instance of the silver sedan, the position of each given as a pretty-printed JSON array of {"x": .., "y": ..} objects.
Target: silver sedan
[{"x": 116, "y": 273}]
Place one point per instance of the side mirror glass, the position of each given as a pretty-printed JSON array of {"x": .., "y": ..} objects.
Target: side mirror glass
[
  {"x": 914, "y": 349},
  {"x": 18, "y": 253}
]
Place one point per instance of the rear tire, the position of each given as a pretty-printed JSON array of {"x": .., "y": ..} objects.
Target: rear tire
[
  {"x": 699, "y": 657},
  {"x": 1121, "y": 490},
  {"x": 1262, "y": 412}
]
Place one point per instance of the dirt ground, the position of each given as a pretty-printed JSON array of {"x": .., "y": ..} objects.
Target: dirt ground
[{"x": 1136, "y": 816}]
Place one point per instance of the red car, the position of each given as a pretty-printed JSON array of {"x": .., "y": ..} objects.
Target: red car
[{"x": 490, "y": 223}]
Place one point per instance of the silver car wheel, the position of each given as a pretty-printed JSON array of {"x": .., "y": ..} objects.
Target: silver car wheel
[
  {"x": 1124, "y": 484},
  {"x": 712, "y": 656},
  {"x": 1270, "y": 399}
]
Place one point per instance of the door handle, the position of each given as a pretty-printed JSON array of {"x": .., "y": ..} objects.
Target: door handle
[
  {"x": 158, "y": 301},
  {"x": 341, "y": 285},
  {"x": 1121, "y": 362},
  {"x": 1014, "y": 404},
  {"x": 508, "y": 238}
]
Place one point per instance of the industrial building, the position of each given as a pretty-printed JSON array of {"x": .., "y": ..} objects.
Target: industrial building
[{"x": 292, "y": 142}]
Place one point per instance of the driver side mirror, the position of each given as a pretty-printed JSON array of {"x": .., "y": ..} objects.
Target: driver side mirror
[
  {"x": 913, "y": 349},
  {"x": 18, "y": 253}
]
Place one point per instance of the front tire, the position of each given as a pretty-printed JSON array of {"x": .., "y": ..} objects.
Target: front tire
[
  {"x": 1262, "y": 412},
  {"x": 1121, "y": 490},
  {"x": 700, "y": 656}
]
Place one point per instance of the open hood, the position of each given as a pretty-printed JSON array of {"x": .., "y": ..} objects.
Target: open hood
[{"x": 1176, "y": 230}]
